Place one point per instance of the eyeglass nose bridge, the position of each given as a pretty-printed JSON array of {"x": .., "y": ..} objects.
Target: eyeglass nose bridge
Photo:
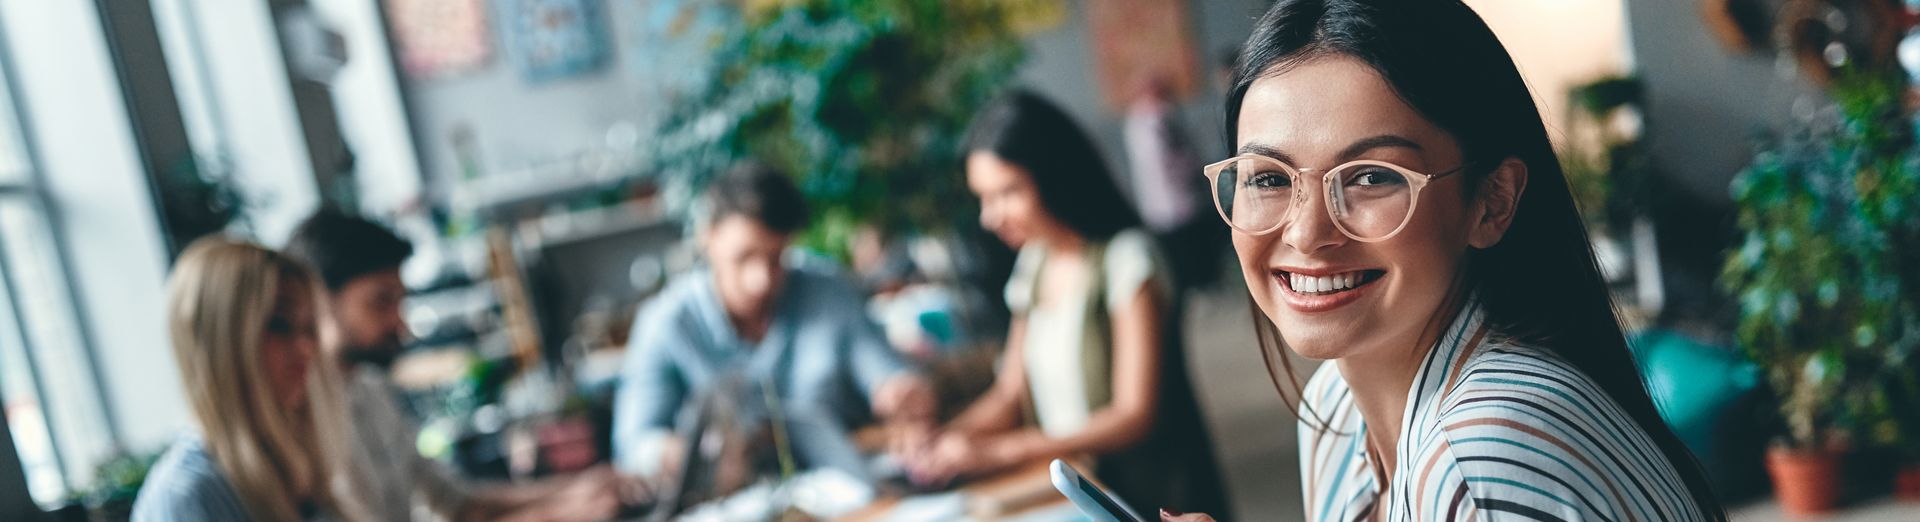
[{"x": 1335, "y": 204}]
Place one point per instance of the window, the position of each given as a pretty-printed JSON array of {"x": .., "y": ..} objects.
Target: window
[{"x": 47, "y": 380}]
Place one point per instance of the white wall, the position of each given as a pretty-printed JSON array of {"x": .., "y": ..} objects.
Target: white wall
[
  {"x": 1559, "y": 45},
  {"x": 98, "y": 194},
  {"x": 371, "y": 115},
  {"x": 250, "y": 104},
  {"x": 518, "y": 125},
  {"x": 1060, "y": 66}
]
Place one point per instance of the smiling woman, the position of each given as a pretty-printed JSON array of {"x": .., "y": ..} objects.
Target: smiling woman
[{"x": 1398, "y": 210}]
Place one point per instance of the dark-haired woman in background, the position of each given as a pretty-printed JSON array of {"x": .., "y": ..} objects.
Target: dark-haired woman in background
[
  {"x": 1398, "y": 211},
  {"x": 1092, "y": 364}
]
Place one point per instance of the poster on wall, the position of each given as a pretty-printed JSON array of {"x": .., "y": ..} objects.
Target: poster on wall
[
  {"x": 437, "y": 38},
  {"x": 1139, "y": 43},
  {"x": 556, "y": 39}
]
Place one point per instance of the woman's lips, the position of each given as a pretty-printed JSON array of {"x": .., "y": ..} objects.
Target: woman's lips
[{"x": 1322, "y": 293}]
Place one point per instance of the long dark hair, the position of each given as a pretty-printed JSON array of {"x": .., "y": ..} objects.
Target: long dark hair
[
  {"x": 1074, "y": 183},
  {"x": 1540, "y": 284}
]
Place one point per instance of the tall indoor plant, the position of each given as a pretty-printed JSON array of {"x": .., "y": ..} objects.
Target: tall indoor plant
[{"x": 1824, "y": 284}]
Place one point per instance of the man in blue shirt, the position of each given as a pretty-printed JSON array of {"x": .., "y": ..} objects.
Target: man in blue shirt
[{"x": 780, "y": 339}]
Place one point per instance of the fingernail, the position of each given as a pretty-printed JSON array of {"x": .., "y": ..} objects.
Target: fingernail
[{"x": 1168, "y": 513}]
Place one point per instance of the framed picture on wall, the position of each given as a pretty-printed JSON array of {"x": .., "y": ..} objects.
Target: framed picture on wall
[
  {"x": 556, "y": 39},
  {"x": 436, "y": 38}
]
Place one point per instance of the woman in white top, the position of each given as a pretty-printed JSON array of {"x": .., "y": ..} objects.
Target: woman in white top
[
  {"x": 1398, "y": 212},
  {"x": 1092, "y": 365}
]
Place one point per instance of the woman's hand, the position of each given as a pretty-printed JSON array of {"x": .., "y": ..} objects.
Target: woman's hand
[
  {"x": 1168, "y": 515},
  {"x": 955, "y": 455},
  {"x": 593, "y": 494},
  {"x": 907, "y": 442},
  {"x": 948, "y": 457}
]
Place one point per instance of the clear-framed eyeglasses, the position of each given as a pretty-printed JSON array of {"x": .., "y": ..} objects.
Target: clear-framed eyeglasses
[{"x": 1367, "y": 200}]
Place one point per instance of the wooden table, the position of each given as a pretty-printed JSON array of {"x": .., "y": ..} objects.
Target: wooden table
[{"x": 1026, "y": 489}]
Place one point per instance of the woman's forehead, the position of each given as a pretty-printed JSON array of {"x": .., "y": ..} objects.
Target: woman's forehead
[{"x": 1317, "y": 109}]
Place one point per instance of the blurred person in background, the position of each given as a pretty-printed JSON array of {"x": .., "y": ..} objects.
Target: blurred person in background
[
  {"x": 754, "y": 315},
  {"x": 1093, "y": 364},
  {"x": 271, "y": 444},
  {"x": 358, "y": 262},
  {"x": 1172, "y": 203}
]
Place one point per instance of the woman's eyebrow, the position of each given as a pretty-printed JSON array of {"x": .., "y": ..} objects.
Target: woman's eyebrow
[
  {"x": 1266, "y": 150},
  {"x": 1378, "y": 142},
  {"x": 1357, "y": 148}
]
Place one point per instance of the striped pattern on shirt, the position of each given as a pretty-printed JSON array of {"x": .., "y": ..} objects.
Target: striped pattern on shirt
[{"x": 1491, "y": 431}]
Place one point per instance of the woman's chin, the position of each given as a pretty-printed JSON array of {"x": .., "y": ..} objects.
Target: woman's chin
[
  {"x": 1315, "y": 351},
  {"x": 1013, "y": 240},
  {"x": 1317, "y": 342}
]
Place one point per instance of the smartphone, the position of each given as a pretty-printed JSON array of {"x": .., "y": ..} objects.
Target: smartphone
[{"x": 1093, "y": 500}]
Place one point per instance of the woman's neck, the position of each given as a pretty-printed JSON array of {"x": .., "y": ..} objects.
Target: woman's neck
[
  {"x": 1065, "y": 242},
  {"x": 1380, "y": 385},
  {"x": 1381, "y": 379}
]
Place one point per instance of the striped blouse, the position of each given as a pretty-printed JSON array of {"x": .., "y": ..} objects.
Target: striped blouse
[{"x": 1492, "y": 431}]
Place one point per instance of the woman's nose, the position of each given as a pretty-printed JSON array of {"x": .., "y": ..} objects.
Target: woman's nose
[{"x": 1308, "y": 228}]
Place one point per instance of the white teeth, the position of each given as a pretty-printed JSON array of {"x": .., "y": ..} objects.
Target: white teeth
[{"x": 1322, "y": 284}]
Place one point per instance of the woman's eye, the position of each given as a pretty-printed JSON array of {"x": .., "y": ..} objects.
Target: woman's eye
[
  {"x": 1270, "y": 180},
  {"x": 1377, "y": 176},
  {"x": 279, "y": 325}
]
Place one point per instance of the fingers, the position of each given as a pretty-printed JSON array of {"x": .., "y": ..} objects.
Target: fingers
[
  {"x": 908, "y": 441},
  {"x": 939, "y": 462}
]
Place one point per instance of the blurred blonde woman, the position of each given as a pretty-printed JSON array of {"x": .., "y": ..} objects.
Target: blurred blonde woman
[{"x": 243, "y": 322}]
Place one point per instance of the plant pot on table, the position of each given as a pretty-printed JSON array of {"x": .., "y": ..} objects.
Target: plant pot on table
[
  {"x": 1807, "y": 481},
  {"x": 1906, "y": 482}
]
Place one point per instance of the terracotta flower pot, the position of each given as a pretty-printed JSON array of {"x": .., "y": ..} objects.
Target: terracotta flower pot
[
  {"x": 1906, "y": 482},
  {"x": 1807, "y": 482}
]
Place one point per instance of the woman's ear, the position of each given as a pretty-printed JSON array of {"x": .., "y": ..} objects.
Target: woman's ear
[{"x": 1499, "y": 198}]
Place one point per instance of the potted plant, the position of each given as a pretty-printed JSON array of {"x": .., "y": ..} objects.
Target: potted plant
[
  {"x": 1825, "y": 302},
  {"x": 109, "y": 498},
  {"x": 1902, "y": 427},
  {"x": 1886, "y": 207},
  {"x": 863, "y": 101}
]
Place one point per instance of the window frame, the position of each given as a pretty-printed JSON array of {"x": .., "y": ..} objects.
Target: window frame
[{"x": 27, "y": 187}]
